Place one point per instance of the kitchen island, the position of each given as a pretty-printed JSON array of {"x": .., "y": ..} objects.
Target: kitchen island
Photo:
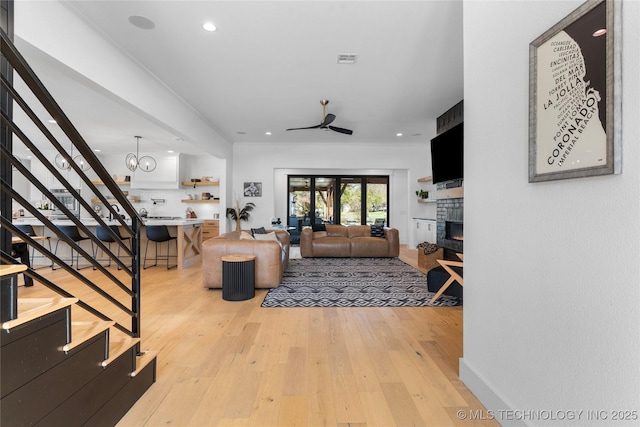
[{"x": 187, "y": 231}]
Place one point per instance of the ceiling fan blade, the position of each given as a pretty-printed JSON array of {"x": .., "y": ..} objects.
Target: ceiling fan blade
[
  {"x": 328, "y": 119},
  {"x": 341, "y": 130},
  {"x": 310, "y": 127}
]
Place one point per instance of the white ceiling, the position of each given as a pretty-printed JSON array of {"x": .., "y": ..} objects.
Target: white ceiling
[{"x": 270, "y": 63}]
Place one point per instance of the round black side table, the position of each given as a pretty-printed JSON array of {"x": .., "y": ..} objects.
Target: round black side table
[{"x": 238, "y": 277}]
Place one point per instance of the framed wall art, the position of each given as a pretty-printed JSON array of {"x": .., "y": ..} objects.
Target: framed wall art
[
  {"x": 252, "y": 189},
  {"x": 574, "y": 95}
]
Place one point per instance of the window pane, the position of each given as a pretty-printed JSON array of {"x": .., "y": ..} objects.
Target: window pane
[
  {"x": 346, "y": 200},
  {"x": 376, "y": 201},
  {"x": 324, "y": 203},
  {"x": 299, "y": 205},
  {"x": 350, "y": 201}
]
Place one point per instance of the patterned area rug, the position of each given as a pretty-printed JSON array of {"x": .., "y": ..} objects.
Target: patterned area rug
[{"x": 353, "y": 282}]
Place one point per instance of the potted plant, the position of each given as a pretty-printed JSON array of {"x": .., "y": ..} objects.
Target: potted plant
[
  {"x": 422, "y": 194},
  {"x": 239, "y": 214}
]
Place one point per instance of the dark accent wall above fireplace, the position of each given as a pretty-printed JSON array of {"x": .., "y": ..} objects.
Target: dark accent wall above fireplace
[{"x": 450, "y": 207}]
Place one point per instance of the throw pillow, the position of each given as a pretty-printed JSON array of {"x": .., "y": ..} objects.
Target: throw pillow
[
  {"x": 269, "y": 236},
  {"x": 318, "y": 227},
  {"x": 266, "y": 236},
  {"x": 246, "y": 236},
  {"x": 377, "y": 230},
  {"x": 260, "y": 230}
]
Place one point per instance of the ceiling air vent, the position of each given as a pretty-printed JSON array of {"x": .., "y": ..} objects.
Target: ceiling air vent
[{"x": 347, "y": 58}]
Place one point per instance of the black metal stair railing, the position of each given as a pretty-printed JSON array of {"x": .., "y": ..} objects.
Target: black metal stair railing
[{"x": 132, "y": 289}]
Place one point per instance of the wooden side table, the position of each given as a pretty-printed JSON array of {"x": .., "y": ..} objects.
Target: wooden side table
[{"x": 238, "y": 277}]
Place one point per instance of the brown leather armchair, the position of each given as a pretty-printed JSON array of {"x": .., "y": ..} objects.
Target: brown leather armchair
[{"x": 271, "y": 257}]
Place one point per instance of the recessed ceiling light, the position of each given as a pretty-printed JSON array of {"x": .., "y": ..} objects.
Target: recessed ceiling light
[
  {"x": 399, "y": 134},
  {"x": 169, "y": 151},
  {"x": 97, "y": 150},
  {"x": 209, "y": 26},
  {"x": 600, "y": 32},
  {"x": 142, "y": 22},
  {"x": 52, "y": 121},
  {"x": 267, "y": 133}
]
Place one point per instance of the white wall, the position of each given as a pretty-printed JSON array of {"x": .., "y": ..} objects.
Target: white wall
[
  {"x": 74, "y": 41},
  {"x": 552, "y": 289},
  {"x": 270, "y": 164}
]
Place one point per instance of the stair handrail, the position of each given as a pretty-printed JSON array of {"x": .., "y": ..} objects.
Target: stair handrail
[{"x": 20, "y": 65}]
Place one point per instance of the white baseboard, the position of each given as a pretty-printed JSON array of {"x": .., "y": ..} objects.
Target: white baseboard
[{"x": 496, "y": 406}]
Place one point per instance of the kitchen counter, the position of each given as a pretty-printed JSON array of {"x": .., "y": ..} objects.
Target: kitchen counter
[
  {"x": 187, "y": 231},
  {"x": 90, "y": 222}
]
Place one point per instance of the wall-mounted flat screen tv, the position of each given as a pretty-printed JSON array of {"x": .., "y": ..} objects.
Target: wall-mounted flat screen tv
[{"x": 447, "y": 152}]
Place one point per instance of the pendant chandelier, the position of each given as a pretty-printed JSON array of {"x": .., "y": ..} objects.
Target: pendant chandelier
[
  {"x": 62, "y": 163},
  {"x": 134, "y": 161}
]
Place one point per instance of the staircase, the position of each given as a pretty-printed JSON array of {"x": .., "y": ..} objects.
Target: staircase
[
  {"x": 64, "y": 361},
  {"x": 57, "y": 372}
]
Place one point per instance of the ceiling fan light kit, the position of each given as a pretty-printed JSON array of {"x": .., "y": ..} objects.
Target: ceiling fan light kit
[{"x": 327, "y": 119}]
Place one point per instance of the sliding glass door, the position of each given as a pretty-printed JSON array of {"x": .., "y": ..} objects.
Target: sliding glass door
[
  {"x": 340, "y": 199},
  {"x": 350, "y": 200},
  {"x": 324, "y": 190},
  {"x": 299, "y": 205},
  {"x": 377, "y": 200}
]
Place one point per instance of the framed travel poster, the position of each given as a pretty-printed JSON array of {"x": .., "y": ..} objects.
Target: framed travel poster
[{"x": 574, "y": 95}]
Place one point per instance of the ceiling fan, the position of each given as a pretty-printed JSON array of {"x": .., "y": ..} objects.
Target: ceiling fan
[{"x": 327, "y": 119}]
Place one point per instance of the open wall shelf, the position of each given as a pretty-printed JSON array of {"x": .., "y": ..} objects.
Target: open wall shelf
[
  {"x": 113, "y": 201},
  {"x": 117, "y": 182},
  {"x": 201, "y": 184},
  {"x": 199, "y": 201}
]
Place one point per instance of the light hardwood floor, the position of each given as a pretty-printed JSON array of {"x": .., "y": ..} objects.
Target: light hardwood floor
[{"x": 231, "y": 364}]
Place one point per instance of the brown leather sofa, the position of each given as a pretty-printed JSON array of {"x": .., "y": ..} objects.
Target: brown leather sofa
[
  {"x": 353, "y": 241},
  {"x": 271, "y": 257}
]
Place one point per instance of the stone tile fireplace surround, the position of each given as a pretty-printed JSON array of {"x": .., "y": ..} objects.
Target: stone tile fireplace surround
[{"x": 449, "y": 225}]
